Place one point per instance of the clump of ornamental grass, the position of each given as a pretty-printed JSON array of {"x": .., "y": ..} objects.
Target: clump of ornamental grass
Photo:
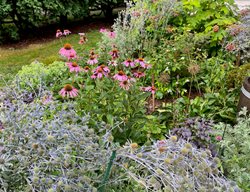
[{"x": 174, "y": 165}]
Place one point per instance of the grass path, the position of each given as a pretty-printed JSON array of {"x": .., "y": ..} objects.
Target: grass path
[{"x": 12, "y": 60}]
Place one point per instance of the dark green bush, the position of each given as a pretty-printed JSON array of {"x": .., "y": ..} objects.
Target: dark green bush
[{"x": 237, "y": 75}]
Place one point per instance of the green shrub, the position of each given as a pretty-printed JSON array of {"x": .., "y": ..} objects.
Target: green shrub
[
  {"x": 30, "y": 76},
  {"x": 236, "y": 76},
  {"x": 8, "y": 32},
  {"x": 235, "y": 150}
]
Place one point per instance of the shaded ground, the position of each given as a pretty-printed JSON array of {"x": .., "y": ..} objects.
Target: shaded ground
[{"x": 46, "y": 34}]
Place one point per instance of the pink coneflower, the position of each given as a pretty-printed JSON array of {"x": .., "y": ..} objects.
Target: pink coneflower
[
  {"x": 100, "y": 71},
  {"x": 129, "y": 63},
  {"x": 112, "y": 34},
  {"x": 68, "y": 51},
  {"x": 73, "y": 67},
  {"x": 103, "y": 30},
  {"x": 92, "y": 60},
  {"x": 112, "y": 62},
  {"x": 97, "y": 73},
  {"x": 81, "y": 34},
  {"x": 131, "y": 79},
  {"x": 58, "y": 33},
  {"x": 68, "y": 91},
  {"x": 125, "y": 84},
  {"x": 82, "y": 40},
  {"x": 104, "y": 68},
  {"x": 66, "y": 32},
  {"x": 92, "y": 53},
  {"x": 147, "y": 66},
  {"x": 120, "y": 76},
  {"x": 114, "y": 53},
  {"x": 140, "y": 61},
  {"x": 139, "y": 74},
  {"x": 86, "y": 69},
  {"x": 218, "y": 138},
  {"x": 151, "y": 89}
]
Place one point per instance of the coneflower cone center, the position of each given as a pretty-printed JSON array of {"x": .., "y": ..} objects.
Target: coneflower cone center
[
  {"x": 74, "y": 64},
  {"x": 125, "y": 82},
  {"x": 121, "y": 73},
  {"x": 67, "y": 46},
  {"x": 68, "y": 87}
]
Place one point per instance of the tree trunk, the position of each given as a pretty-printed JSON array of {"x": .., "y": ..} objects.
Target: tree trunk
[
  {"x": 63, "y": 21},
  {"x": 108, "y": 12}
]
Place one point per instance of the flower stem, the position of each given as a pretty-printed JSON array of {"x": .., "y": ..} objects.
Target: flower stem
[{"x": 107, "y": 172}]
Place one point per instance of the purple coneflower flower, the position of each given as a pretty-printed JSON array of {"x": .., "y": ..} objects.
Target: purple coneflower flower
[
  {"x": 74, "y": 67},
  {"x": 112, "y": 34},
  {"x": 129, "y": 63},
  {"x": 68, "y": 51},
  {"x": 114, "y": 53},
  {"x": 120, "y": 76},
  {"x": 58, "y": 33},
  {"x": 86, "y": 69},
  {"x": 125, "y": 84},
  {"x": 66, "y": 32},
  {"x": 147, "y": 66},
  {"x": 100, "y": 71},
  {"x": 140, "y": 61},
  {"x": 151, "y": 89},
  {"x": 139, "y": 74},
  {"x": 112, "y": 62},
  {"x": 104, "y": 68},
  {"x": 92, "y": 60},
  {"x": 103, "y": 30},
  {"x": 68, "y": 91}
]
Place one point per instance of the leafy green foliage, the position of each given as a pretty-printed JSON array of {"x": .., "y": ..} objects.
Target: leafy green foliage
[
  {"x": 237, "y": 75},
  {"x": 235, "y": 150},
  {"x": 31, "y": 75},
  {"x": 106, "y": 101},
  {"x": 206, "y": 19},
  {"x": 28, "y": 14}
]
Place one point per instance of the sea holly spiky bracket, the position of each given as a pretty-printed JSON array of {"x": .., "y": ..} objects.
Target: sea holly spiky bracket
[
  {"x": 47, "y": 146},
  {"x": 174, "y": 165}
]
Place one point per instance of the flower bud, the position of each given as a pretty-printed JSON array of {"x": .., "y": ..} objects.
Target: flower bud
[
  {"x": 173, "y": 138},
  {"x": 134, "y": 145}
]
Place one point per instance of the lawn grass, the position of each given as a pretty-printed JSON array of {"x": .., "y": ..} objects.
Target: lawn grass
[{"x": 12, "y": 60}]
